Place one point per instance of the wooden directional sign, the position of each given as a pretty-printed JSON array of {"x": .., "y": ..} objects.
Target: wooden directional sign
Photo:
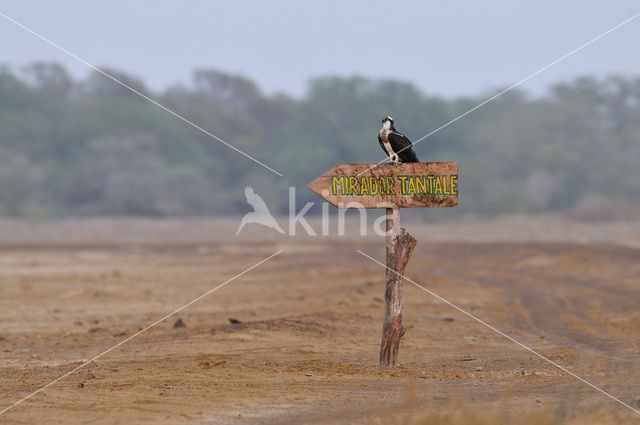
[
  {"x": 410, "y": 185},
  {"x": 391, "y": 186}
]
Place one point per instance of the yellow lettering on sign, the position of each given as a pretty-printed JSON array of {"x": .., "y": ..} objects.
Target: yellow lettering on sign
[
  {"x": 411, "y": 189},
  {"x": 437, "y": 188},
  {"x": 390, "y": 185},
  {"x": 403, "y": 184},
  {"x": 364, "y": 187},
  {"x": 373, "y": 186},
  {"x": 421, "y": 184},
  {"x": 430, "y": 178},
  {"x": 335, "y": 181},
  {"x": 353, "y": 185},
  {"x": 446, "y": 185}
]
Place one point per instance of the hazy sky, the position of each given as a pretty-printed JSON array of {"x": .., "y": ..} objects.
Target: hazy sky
[{"x": 448, "y": 48}]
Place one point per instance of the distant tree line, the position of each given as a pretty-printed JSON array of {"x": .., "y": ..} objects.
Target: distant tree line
[{"x": 92, "y": 147}]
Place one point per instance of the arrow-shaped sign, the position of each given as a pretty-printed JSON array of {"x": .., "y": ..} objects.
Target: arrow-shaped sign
[
  {"x": 391, "y": 186},
  {"x": 408, "y": 185}
]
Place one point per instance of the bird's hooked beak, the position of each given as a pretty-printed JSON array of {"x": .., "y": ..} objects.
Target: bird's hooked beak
[{"x": 387, "y": 118}]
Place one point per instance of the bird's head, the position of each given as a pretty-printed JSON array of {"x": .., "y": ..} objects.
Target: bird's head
[{"x": 387, "y": 122}]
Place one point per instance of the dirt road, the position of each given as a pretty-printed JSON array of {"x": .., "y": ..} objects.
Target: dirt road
[{"x": 304, "y": 345}]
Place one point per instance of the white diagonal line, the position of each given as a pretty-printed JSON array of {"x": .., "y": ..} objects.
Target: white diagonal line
[
  {"x": 544, "y": 68},
  {"x": 141, "y": 331},
  {"x": 175, "y": 114},
  {"x": 502, "y": 333}
]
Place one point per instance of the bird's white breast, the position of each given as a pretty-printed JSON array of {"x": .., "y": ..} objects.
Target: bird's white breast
[{"x": 385, "y": 141}]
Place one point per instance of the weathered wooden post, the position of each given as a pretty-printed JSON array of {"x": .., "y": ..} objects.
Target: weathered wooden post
[
  {"x": 391, "y": 186},
  {"x": 400, "y": 245}
]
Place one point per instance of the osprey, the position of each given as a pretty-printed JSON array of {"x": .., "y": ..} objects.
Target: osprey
[{"x": 395, "y": 144}]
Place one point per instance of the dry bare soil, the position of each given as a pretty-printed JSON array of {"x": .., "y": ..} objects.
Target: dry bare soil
[{"x": 304, "y": 345}]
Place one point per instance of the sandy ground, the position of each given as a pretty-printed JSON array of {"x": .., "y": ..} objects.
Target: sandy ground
[{"x": 306, "y": 347}]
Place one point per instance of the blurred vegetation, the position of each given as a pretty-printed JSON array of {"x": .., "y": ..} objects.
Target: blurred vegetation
[{"x": 92, "y": 147}]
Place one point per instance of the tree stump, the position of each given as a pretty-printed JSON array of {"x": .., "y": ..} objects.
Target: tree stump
[{"x": 400, "y": 245}]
